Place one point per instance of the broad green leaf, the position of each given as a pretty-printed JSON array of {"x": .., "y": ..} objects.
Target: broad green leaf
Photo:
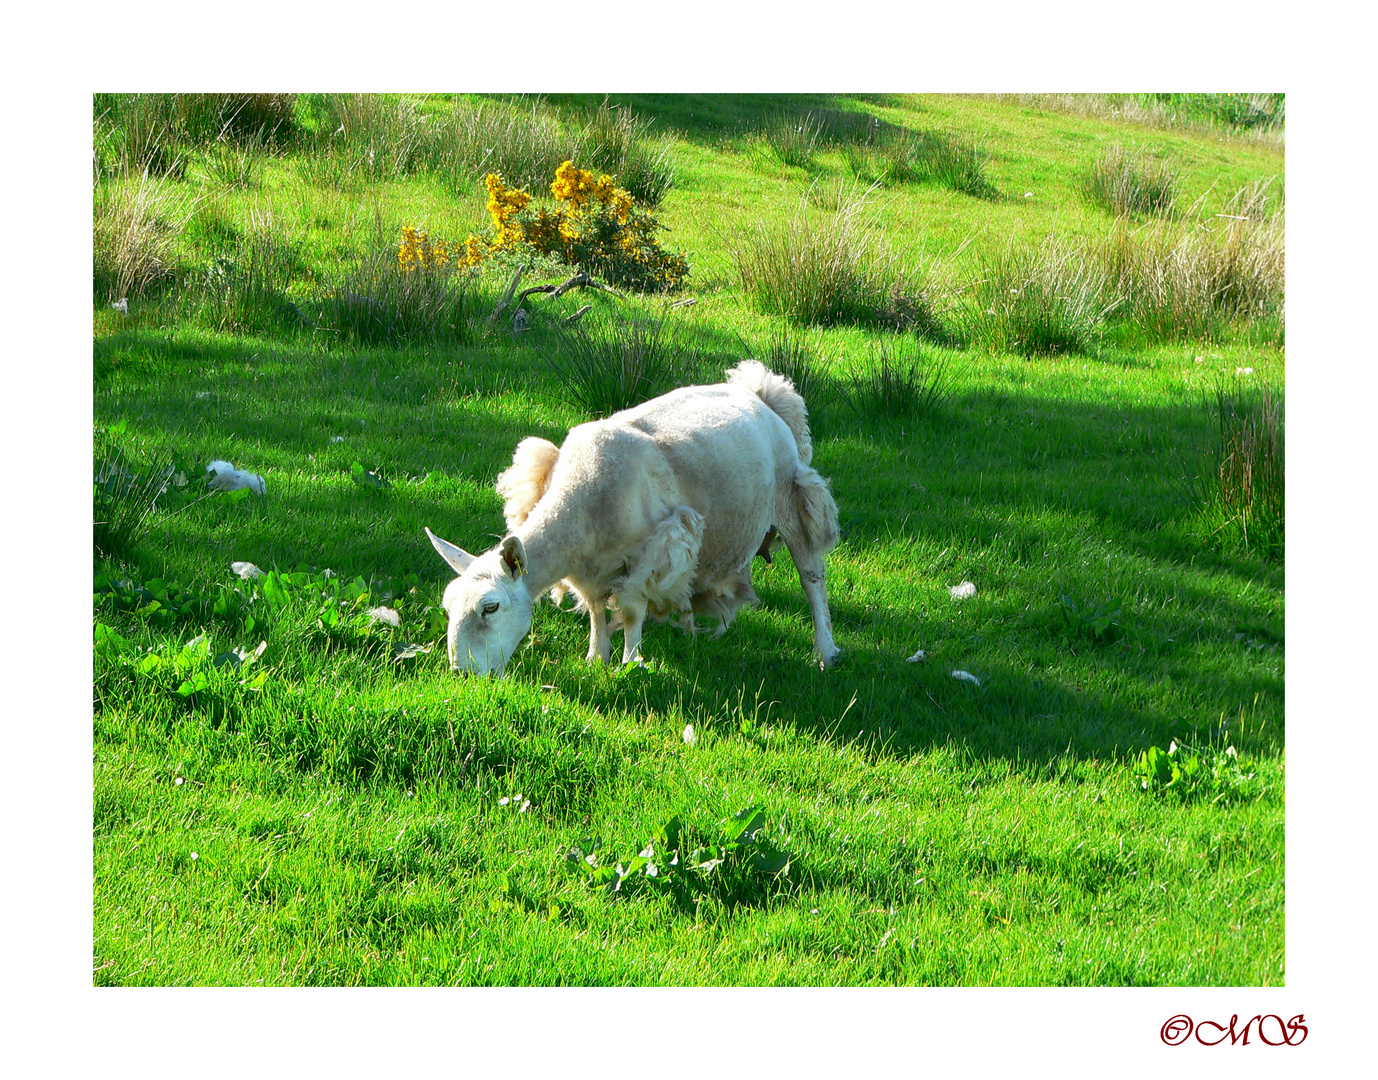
[
  {"x": 746, "y": 823},
  {"x": 775, "y": 862}
]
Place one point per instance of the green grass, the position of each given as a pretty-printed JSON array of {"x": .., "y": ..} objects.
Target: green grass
[{"x": 359, "y": 815}]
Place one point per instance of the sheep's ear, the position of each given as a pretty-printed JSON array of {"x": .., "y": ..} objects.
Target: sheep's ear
[
  {"x": 457, "y": 557},
  {"x": 514, "y": 555}
]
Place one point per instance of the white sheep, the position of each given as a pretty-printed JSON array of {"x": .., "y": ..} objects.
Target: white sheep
[{"x": 657, "y": 510}]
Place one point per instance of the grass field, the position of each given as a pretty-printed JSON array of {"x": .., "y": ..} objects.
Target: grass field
[{"x": 1102, "y": 803}]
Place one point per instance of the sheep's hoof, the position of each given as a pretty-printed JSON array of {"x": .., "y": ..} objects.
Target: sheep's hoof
[{"x": 829, "y": 661}]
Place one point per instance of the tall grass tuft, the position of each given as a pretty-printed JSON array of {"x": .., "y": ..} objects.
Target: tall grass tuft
[
  {"x": 524, "y": 145},
  {"x": 378, "y": 304},
  {"x": 826, "y": 268},
  {"x": 374, "y": 137},
  {"x": 1044, "y": 300},
  {"x": 1246, "y": 486},
  {"x": 1126, "y": 183},
  {"x": 135, "y": 232},
  {"x": 612, "y": 366},
  {"x": 790, "y": 354},
  {"x": 1193, "y": 280},
  {"x": 156, "y": 132},
  {"x": 1243, "y": 111},
  {"x": 899, "y": 379},
  {"x": 792, "y": 139},
  {"x": 124, "y": 494},
  {"x": 228, "y": 166},
  {"x": 617, "y": 141},
  {"x": 248, "y": 286},
  {"x": 897, "y": 156}
]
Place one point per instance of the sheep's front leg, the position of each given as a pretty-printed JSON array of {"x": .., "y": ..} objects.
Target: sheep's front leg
[
  {"x": 600, "y": 644},
  {"x": 811, "y": 577},
  {"x": 633, "y": 617}
]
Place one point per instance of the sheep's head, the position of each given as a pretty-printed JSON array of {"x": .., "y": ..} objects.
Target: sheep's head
[{"x": 489, "y": 605}]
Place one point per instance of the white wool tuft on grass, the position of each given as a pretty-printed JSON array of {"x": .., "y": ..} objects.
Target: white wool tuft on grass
[
  {"x": 965, "y": 591},
  {"x": 385, "y": 615},
  {"x": 225, "y": 477}
]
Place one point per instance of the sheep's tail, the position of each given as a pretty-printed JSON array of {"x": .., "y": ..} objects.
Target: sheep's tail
[
  {"x": 781, "y": 397},
  {"x": 527, "y": 479}
]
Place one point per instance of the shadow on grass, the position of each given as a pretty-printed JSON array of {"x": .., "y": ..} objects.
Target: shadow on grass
[
  {"x": 706, "y": 119},
  {"x": 1004, "y": 479}
]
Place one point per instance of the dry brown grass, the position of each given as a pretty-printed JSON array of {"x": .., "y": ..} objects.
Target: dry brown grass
[
  {"x": 135, "y": 232},
  {"x": 1181, "y": 280}
]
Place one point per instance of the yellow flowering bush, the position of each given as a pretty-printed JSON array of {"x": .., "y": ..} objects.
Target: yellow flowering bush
[
  {"x": 418, "y": 253},
  {"x": 596, "y": 227}
]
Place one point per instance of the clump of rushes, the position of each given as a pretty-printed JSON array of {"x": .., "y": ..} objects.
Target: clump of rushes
[
  {"x": 1246, "y": 485},
  {"x": 247, "y": 286},
  {"x": 617, "y": 141},
  {"x": 612, "y": 366},
  {"x": 135, "y": 235},
  {"x": 1038, "y": 301},
  {"x": 793, "y": 140},
  {"x": 899, "y": 379},
  {"x": 790, "y": 354},
  {"x": 596, "y": 228},
  {"x": 380, "y": 303},
  {"x": 1125, "y": 183},
  {"x": 825, "y": 269},
  {"x": 1193, "y": 280},
  {"x": 896, "y": 156}
]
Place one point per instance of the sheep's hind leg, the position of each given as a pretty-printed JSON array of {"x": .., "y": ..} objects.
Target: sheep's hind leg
[
  {"x": 633, "y": 618},
  {"x": 600, "y": 643},
  {"x": 812, "y": 578}
]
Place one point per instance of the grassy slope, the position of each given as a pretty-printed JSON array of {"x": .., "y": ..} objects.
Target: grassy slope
[{"x": 943, "y": 833}]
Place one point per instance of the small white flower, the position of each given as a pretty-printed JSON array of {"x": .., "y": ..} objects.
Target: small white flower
[
  {"x": 504, "y": 801},
  {"x": 525, "y": 806},
  {"x": 1243, "y": 371},
  {"x": 966, "y": 676},
  {"x": 337, "y": 438},
  {"x": 385, "y": 615},
  {"x": 247, "y": 571},
  {"x": 195, "y": 856},
  {"x": 202, "y": 395},
  {"x": 965, "y": 591},
  {"x": 1028, "y": 194},
  {"x": 178, "y": 781},
  {"x": 918, "y": 657},
  {"x": 1200, "y": 359},
  {"x": 689, "y": 737}
]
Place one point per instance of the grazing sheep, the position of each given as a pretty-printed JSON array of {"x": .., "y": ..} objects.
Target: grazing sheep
[{"x": 657, "y": 510}]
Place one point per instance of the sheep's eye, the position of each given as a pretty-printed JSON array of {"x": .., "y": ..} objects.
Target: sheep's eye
[{"x": 490, "y": 607}]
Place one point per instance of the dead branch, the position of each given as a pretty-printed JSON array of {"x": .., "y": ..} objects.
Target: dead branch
[
  {"x": 533, "y": 291},
  {"x": 578, "y": 315},
  {"x": 507, "y": 296},
  {"x": 581, "y": 280}
]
